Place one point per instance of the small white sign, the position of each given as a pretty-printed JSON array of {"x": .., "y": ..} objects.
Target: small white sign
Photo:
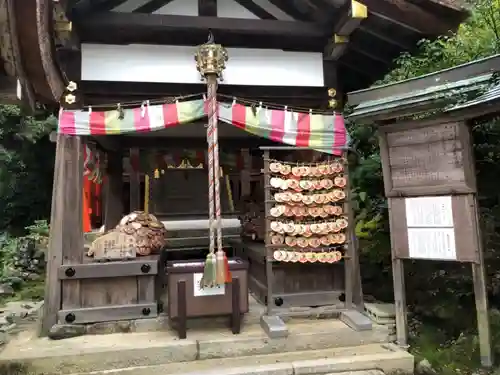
[
  {"x": 199, "y": 292},
  {"x": 431, "y": 233},
  {"x": 429, "y": 212},
  {"x": 430, "y": 243}
]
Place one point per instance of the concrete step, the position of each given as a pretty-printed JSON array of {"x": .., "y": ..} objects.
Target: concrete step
[
  {"x": 108, "y": 352},
  {"x": 385, "y": 358}
]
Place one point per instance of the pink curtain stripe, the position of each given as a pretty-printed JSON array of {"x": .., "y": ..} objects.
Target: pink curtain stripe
[
  {"x": 326, "y": 133},
  {"x": 67, "y": 122},
  {"x": 277, "y": 125}
]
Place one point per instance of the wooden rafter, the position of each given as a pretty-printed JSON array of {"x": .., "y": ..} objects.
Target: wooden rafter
[
  {"x": 287, "y": 7},
  {"x": 392, "y": 40},
  {"x": 256, "y": 9},
  {"x": 207, "y": 8},
  {"x": 350, "y": 17},
  {"x": 92, "y": 6},
  {"x": 130, "y": 23},
  {"x": 409, "y": 16},
  {"x": 336, "y": 47},
  {"x": 152, "y": 6}
]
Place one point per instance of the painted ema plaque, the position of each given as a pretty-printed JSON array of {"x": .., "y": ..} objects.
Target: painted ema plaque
[{"x": 434, "y": 159}]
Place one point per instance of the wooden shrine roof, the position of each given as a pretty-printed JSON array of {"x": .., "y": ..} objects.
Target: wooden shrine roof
[
  {"x": 469, "y": 87},
  {"x": 364, "y": 52}
]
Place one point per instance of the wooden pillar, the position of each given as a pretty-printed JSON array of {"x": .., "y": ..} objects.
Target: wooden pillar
[
  {"x": 66, "y": 233},
  {"x": 135, "y": 182},
  {"x": 114, "y": 192},
  {"x": 246, "y": 187}
]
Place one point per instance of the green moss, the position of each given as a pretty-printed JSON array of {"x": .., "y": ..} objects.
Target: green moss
[{"x": 31, "y": 291}]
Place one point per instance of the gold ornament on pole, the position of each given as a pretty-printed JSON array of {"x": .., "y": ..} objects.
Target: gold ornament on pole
[{"x": 211, "y": 61}]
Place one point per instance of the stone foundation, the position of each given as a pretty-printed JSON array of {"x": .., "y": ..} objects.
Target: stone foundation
[{"x": 383, "y": 314}]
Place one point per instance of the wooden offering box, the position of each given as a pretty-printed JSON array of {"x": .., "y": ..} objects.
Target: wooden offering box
[
  {"x": 187, "y": 300},
  {"x": 110, "y": 291}
]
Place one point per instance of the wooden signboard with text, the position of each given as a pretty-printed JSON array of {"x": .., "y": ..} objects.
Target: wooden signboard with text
[
  {"x": 428, "y": 159},
  {"x": 113, "y": 246},
  {"x": 430, "y": 184},
  {"x": 434, "y": 228}
]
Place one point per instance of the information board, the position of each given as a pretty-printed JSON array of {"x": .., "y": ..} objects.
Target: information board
[
  {"x": 425, "y": 161},
  {"x": 431, "y": 233}
]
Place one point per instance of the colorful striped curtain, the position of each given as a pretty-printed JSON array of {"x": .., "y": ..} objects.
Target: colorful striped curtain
[{"x": 325, "y": 133}]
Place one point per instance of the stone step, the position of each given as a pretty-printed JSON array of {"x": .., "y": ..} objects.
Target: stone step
[
  {"x": 384, "y": 358},
  {"x": 108, "y": 352}
]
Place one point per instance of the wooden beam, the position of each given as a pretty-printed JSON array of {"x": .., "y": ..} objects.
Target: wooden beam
[
  {"x": 409, "y": 16},
  {"x": 113, "y": 211},
  {"x": 162, "y": 90},
  {"x": 336, "y": 47},
  {"x": 178, "y": 143},
  {"x": 393, "y": 40},
  {"x": 152, "y": 6},
  {"x": 353, "y": 13},
  {"x": 116, "y": 22},
  {"x": 85, "y": 7},
  {"x": 370, "y": 55},
  {"x": 288, "y": 8},
  {"x": 256, "y": 9},
  {"x": 207, "y": 8},
  {"x": 351, "y": 16}
]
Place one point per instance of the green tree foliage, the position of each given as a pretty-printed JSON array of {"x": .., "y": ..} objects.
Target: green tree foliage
[{"x": 26, "y": 168}]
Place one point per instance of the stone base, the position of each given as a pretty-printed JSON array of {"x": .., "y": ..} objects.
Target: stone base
[
  {"x": 383, "y": 314},
  {"x": 356, "y": 320},
  {"x": 274, "y": 326}
]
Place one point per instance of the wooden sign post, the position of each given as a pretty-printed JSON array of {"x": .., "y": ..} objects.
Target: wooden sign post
[{"x": 430, "y": 182}]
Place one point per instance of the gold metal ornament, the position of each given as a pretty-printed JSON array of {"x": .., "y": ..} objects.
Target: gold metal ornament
[
  {"x": 72, "y": 86},
  {"x": 211, "y": 58},
  {"x": 332, "y": 93},
  {"x": 70, "y": 99},
  {"x": 332, "y": 103}
]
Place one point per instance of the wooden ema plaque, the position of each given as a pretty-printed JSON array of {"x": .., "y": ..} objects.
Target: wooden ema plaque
[
  {"x": 426, "y": 159},
  {"x": 434, "y": 228},
  {"x": 113, "y": 246}
]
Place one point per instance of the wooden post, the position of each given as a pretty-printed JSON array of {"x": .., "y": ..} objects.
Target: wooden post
[
  {"x": 114, "y": 196},
  {"x": 66, "y": 235},
  {"x": 399, "y": 289},
  {"x": 135, "y": 182},
  {"x": 481, "y": 298},
  {"x": 246, "y": 188}
]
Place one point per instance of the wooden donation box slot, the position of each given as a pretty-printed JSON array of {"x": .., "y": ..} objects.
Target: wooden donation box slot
[{"x": 186, "y": 299}]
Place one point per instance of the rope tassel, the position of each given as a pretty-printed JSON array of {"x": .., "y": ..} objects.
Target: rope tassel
[{"x": 209, "y": 278}]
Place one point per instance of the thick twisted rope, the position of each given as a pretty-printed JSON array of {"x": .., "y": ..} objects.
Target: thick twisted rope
[
  {"x": 211, "y": 90},
  {"x": 212, "y": 94}
]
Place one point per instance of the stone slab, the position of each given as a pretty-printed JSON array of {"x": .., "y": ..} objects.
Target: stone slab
[
  {"x": 108, "y": 352},
  {"x": 273, "y": 326},
  {"x": 361, "y": 360},
  {"x": 381, "y": 310},
  {"x": 303, "y": 335},
  {"x": 356, "y": 320}
]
